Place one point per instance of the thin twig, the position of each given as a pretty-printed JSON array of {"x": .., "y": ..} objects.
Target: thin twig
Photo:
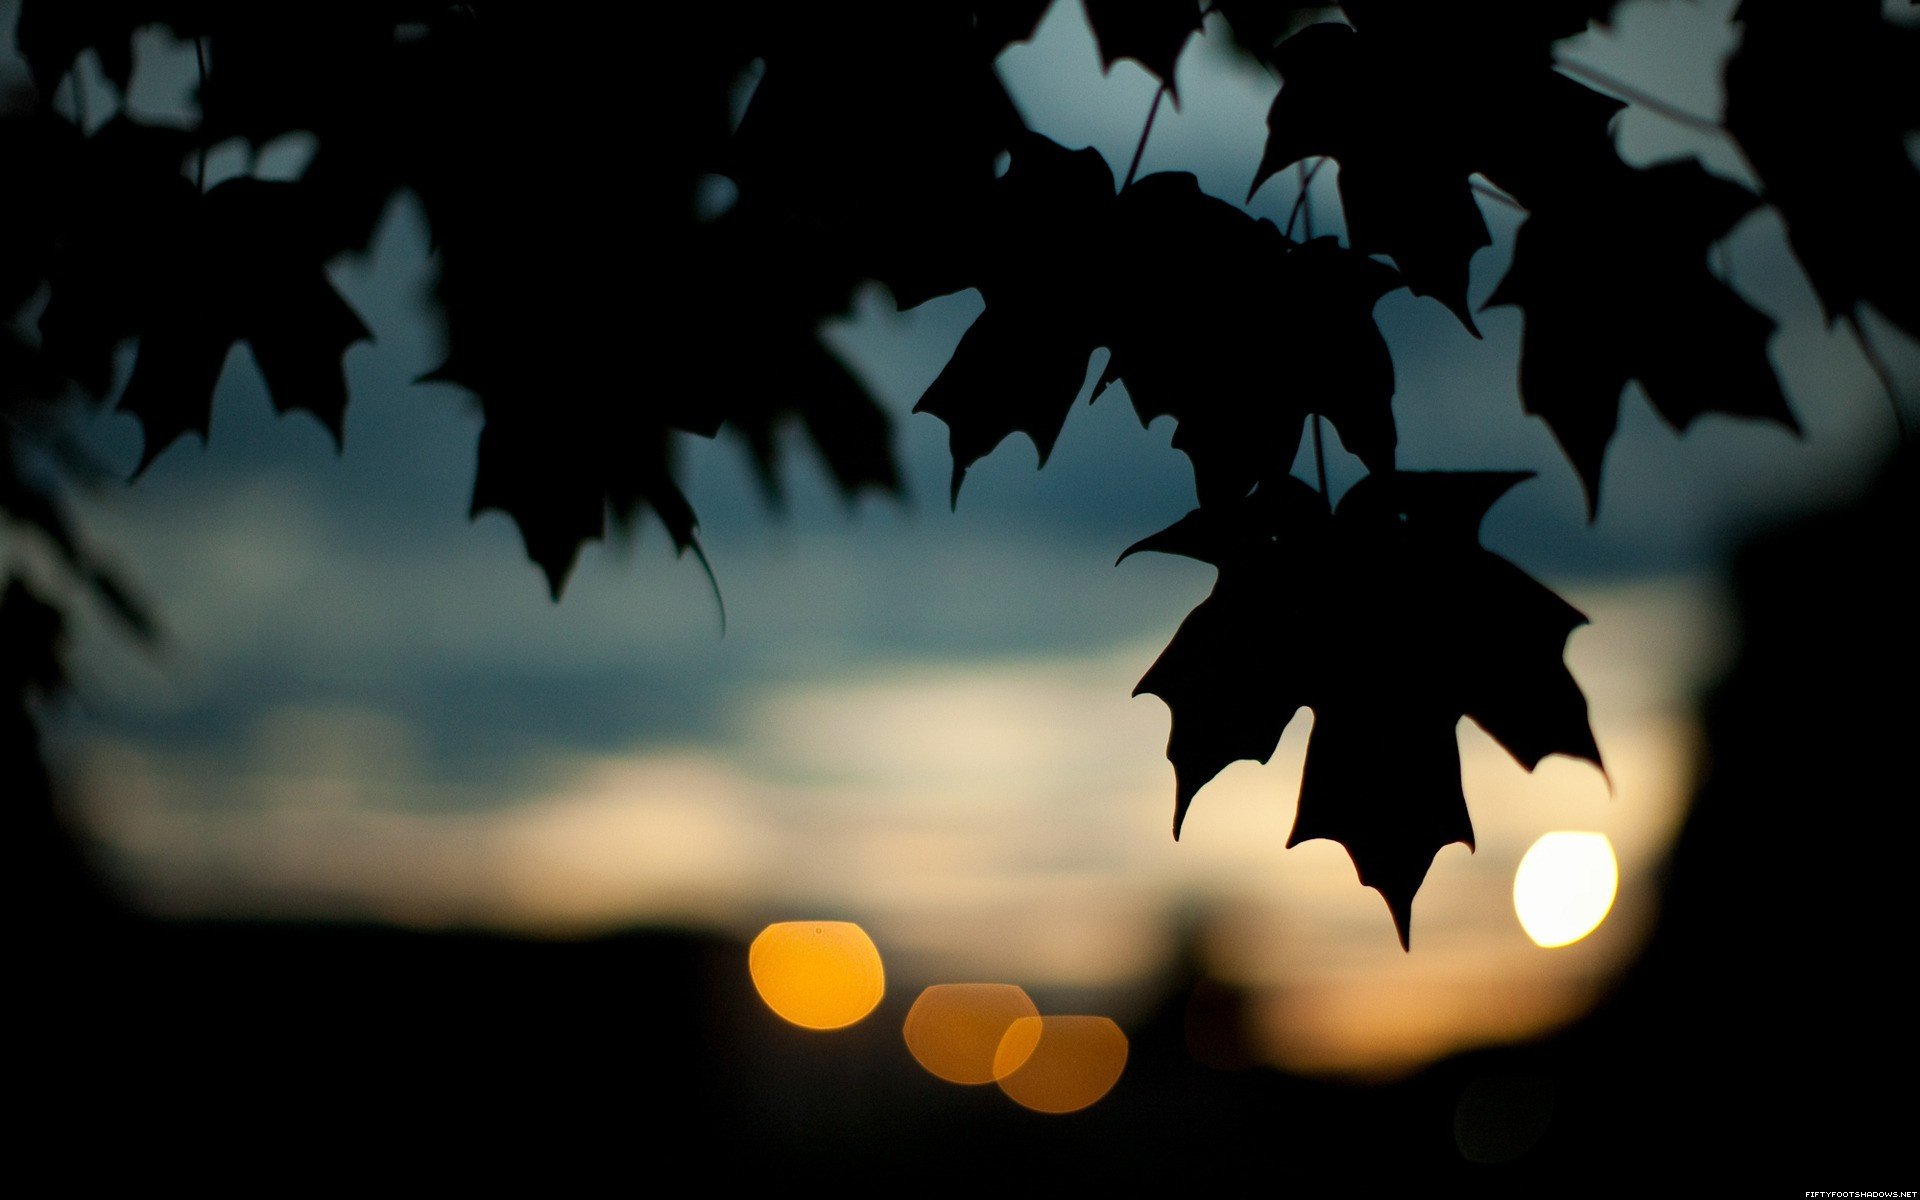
[
  {"x": 1885, "y": 375},
  {"x": 1320, "y": 463},
  {"x": 1133, "y": 168},
  {"x": 200, "y": 59},
  {"x": 1651, "y": 103},
  {"x": 1300, "y": 201}
]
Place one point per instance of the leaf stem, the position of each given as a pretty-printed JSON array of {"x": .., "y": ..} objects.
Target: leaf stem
[
  {"x": 1320, "y": 463},
  {"x": 1884, "y": 374},
  {"x": 1300, "y": 201},
  {"x": 1133, "y": 168},
  {"x": 200, "y": 60},
  {"x": 1634, "y": 95}
]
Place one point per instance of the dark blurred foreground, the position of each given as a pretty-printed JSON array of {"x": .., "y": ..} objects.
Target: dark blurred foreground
[{"x": 1766, "y": 1036}]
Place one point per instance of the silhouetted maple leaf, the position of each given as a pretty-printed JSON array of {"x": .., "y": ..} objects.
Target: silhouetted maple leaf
[
  {"x": 1391, "y": 622},
  {"x": 38, "y": 149},
  {"x": 1213, "y": 318},
  {"x": 52, "y": 33},
  {"x": 557, "y": 479},
  {"x": 245, "y": 273},
  {"x": 1044, "y": 239},
  {"x": 1403, "y": 178},
  {"x": 1259, "y": 25},
  {"x": 575, "y": 439},
  {"x": 566, "y": 437},
  {"x": 123, "y": 208},
  {"x": 1002, "y": 22},
  {"x": 873, "y": 122},
  {"x": 274, "y": 69},
  {"x": 750, "y": 285},
  {"x": 1481, "y": 29},
  {"x": 1823, "y": 109},
  {"x": 1615, "y": 286},
  {"x": 1411, "y": 104},
  {"x": 1151, "y": 32},
  {"x": 1219, "y": 321}
]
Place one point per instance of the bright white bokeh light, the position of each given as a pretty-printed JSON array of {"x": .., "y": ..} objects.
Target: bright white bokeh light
[{"x": 1565, "y": 886}]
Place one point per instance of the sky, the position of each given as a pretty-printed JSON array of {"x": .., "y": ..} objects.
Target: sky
[{"x": 366, "y": 706}]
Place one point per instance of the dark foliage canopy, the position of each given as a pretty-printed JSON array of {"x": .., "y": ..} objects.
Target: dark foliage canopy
[{"x": 879, "y": 144}]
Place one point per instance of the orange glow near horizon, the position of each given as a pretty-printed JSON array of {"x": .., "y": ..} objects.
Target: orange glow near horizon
[
  {"x": 817, "y": 974},
  {"x": 956, "y": 1030},
  {"x": 1565, "y": 887},
  {"x": 1060, "y": 1064}
]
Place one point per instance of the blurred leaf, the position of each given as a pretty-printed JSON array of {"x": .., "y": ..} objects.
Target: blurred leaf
[
  {"x": 1615, "y": 287},
  {"x": 52, "y": 33},
  {"x": 1150, "y": 32},
  {"x": 1411, "y": 109},
  {"x": 1046, "y": 236},
  {"x": 1824, "y": 110},
  {"x": 246, "y": 272},
  {"x": 32, "y": 644}
]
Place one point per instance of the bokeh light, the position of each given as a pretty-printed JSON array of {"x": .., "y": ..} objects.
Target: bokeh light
[
  {"x": 817, "y": 974},
  {"x": 1060, "y": 1064},
  {"x": 955, "y": 1030},
  {"x": 1565, "y": 886}
]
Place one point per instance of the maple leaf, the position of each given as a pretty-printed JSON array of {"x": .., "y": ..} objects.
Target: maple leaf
[
  {"x": 583, "y": 390},
  {"x": 1213, "y": 318},
  {"x": 1823, "y": 110},
  {"x": 52, "y": 33},
  {"x": 122, "y": 206},
  {"x": 999, "y": 23},
  {"x": 556, "y": 451},
  {"x": 245, "y": 273},
  {"x": 1484, "y": 29},
  {"x": 1150, "y": 32},
  {"x": 751, "y": 286},
  {"x": 1259, "y": 25},
  {"x": 1614, "y": 286},
  {"x": 1047, "y": 233},
  {"x": 1413, "y": 625},
  {"x": 273, "y": 69},
  {"x": 557, "y": 478},
  {"x": 1403, "y": 178},
  {"x": 1412, "y": 103},
  {"x": 574, "y": 446},
  {"x": 1236, "y": 332},
  {"x": 39, "y": 151},
  {"x": 873, "y": 123}
]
